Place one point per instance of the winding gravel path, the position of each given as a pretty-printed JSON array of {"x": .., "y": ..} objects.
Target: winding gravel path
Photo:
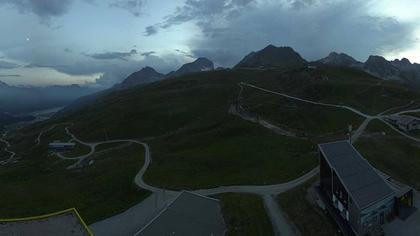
[
  {"x": 309, "y": 101},
  {"x": 6, "y": 149},
  {"x": 407, "y": 111}
]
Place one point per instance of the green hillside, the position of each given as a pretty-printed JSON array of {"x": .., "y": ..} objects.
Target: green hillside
[
  {"x": 42, "y": 178},
  {"x": 202, "y": 100},
  {"x": 195, "y": 142},
  {"x": 391, "y": 153}
]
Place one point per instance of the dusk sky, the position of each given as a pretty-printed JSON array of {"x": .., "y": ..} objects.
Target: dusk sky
[{"x": 99, "y": 42}]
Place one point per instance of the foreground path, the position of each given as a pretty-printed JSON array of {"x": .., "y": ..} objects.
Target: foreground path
[
  {"x": 139, "y": 181},
  {"x": 273, "y": 189},
  {"x": 280, "y": 224}
]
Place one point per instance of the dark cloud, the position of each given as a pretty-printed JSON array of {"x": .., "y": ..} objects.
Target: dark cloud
[
  {"x": 112, "y": 55},
  {"x": 117, "y": 73},
  {"x": 43, "y": 8},
  {"x": 7, "y": 65},
  {"x": 311, "y": 27},
  {"x": 68, "y": 50},
  {"x": 300, "y": 4},
  {"x": 133, "y": 6},
  {"x": 184, "y": 53},
  {"x": 150, "y": 30},
  {"x": 201, "y": 11},
  {"x": 5, "y": 76},
  {"x": 146, "y": 54},
  {"x": 113, "y": 71}
]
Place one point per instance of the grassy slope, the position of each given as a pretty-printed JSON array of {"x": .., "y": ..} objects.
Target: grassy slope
[
  {"x": 40, "y": 185},
  {"x": 201, "y": 100},
  {"x": 107, "y": 146},
  {"x": 199, "y": 145},
  {"x": 3, "y": 154},
  {"x": 309, "y": 218},
  {"x": 343, "y": 86},
  {"x": 415, "y": 114},
  {"x": 244, "y": 214},
  {"x": 392, "y": 153},
  {"x": 307, "y": 118},
  {"x": 235, "y": 152}
]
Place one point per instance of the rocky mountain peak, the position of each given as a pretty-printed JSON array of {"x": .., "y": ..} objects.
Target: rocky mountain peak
[
  {"x": 145, "y": 75},
  {"x": 340, "y": 59},
  {"x": 200, "y": 64},
  {"x": 272, "y": 56}
]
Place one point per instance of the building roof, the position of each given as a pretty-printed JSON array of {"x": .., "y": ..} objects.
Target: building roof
[
  {"x": 66, "y": 223},
  {"x": 189, "y": 214},
  {"x": 359, "y": 178}
]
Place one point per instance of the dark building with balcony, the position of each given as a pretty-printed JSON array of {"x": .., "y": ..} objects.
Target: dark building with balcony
[{"x": 360, "y": 197}]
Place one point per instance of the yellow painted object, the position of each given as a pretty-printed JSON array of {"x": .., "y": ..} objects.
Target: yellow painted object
[{"x": 51, "y": 215}]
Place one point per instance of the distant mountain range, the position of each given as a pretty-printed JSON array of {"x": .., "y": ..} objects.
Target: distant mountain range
[
  {"x": 149, "y": 75},
  {"x": 269, "y": 57},
  {"x": 6, "y": 119},
  {"x": 286, "y": 57},
  {"x": 18, "y": 100},
  {"x": 399, "y": 70}
]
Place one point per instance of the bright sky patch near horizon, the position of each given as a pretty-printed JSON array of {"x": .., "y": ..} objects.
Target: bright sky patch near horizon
[{"x": 101, "y": 42}]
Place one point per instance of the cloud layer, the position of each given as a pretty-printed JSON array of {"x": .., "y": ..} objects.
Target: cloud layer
[
  {"x": 172, "y": 33},
  {"x": 42, "y": 8},
  {"x": 112, "y": 55},
  {"x": 7, "y": 65},
  {"x": 231, "y": 29},
  {"x": 133, "y": 6}
]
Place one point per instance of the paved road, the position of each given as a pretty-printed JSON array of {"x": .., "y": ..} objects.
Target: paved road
[
  {"x": 273, "y": 189},
  {"x": 394, "y": 108},
  {"x": 38, "y": 138},
  {"x": 280, "y": 224},
  {"x": 407, "y": 111},
  {"x": 400, "y": 132},
  {"x": 360, "y": 130}
]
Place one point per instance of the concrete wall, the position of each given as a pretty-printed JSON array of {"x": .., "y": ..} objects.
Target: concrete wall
[
  {"x": 370, "y": 217},
  {"x": 353, "y": 215}
]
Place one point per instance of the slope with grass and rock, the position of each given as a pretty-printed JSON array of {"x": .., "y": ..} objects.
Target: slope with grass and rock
[{"x": 196, "y": 142}]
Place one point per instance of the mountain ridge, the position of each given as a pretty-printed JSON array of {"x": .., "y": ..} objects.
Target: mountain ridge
[
  {"x": 272, "y": 56},
  {"x": 402, "y": 70},
  {"x": 145, "y": 75}
]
